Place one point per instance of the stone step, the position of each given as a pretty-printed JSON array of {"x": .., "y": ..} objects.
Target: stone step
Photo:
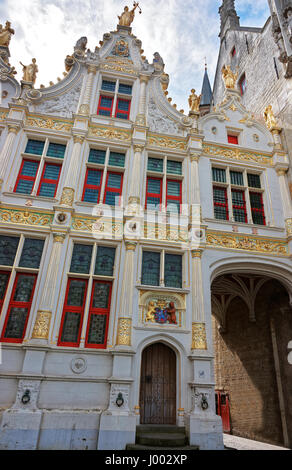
[
  {"x": 159, "y": 428},
  {"x": 161, "y": 439},
  {"x": 141, "y": 447}
]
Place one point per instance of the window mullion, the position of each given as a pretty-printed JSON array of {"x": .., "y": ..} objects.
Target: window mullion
[
  {"x": 38, "y": 176},
  {"x": 164, "y": 184},
  {"x": 104, "y": 176},
  {"x": 115, "y": 98},
  {"x": 229, "y": 196},
  {"x": 162, "y": 264},
  {"x": 88, "y": 297}
]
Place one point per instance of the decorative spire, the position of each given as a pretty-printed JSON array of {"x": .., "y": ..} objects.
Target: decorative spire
[
  {"x": 206, "y": 92},
  {"x": 228, "y": 15}
]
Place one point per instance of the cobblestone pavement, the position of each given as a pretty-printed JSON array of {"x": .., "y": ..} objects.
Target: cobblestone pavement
[{"x": 239, "y": 443}]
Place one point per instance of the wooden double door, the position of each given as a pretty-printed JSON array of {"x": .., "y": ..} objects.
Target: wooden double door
[{"x": 158, "y": 385}]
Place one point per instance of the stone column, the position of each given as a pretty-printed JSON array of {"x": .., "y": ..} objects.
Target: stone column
[
  {"x": 126, "y": 302},
  {"x": 195, "y": 182},
  {"x": 286, "y": 199},
  {"x": 199, "y": 339},
  {"x": 85, "y": 105},
  {"x": 67, "y": 197},
  {"x": 135, "y": 178},
  {"x": 44, "y": 315},
  {"x": 141, "y": 116},
  {"x": 5, "y": 155}
]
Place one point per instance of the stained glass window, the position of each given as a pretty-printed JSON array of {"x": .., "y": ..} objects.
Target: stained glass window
[
  {"x": 56, "y": 150},
  {"x": 105, "y": 260},
  {"x": 151, "y": 268},
  {"x": 219, "y": 175},
  {"x": 71, "y": 327},
  {"x": 31, "y": 253},
  {"x": 257, "y": 208},
  {"x": 19, "y": 307},
  {"x": 35, "y": 147},
  {"x": 173, "y": 271},
  {"x": 174, "y": 168},
  {"x": 26, "y": 177},
  {"x": 117, "y": 159},
  {"x": 8, "y": 248},
  {"x": 4, "y": 278},
  {"x": 49, "y": 180},
  {"x": 100, "y": 297},
  {"x": 97, "y": 329},
  {"x": 73, "y": 312},
  {"x": 220, "y": 203},
  {"x": 155, "y": 164},
  {"x": 125, "y": 89},
  {"x": 236, "y": 177},
  {"x": 254, "y": 181},
  {"x": 113, "y": 189},
  {"x": 81, "y": 259},
  {"x": 97, "y": 156},
  {"x": 123, "y": 109},
  {"x": 108, "y": 85},
  {"x": 239, "y": 206}
]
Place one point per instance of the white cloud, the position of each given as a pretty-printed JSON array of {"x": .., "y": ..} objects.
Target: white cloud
[{"x": 182, "y": 32}]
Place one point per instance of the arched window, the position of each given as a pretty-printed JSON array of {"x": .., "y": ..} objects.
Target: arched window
[{"x": 242, "y": 84}]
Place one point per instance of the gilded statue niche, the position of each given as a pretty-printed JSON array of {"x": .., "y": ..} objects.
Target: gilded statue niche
[{"x": 162, "y": 309}]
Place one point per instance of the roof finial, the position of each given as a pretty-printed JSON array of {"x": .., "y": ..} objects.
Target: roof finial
[{"x": 206, "y": 67}]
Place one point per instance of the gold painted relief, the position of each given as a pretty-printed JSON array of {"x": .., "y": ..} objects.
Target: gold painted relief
[
  {"x": 14, "y": 216},
  {"x": 53, "y": 124},
  {"x": 124, "y": 332},
  {"x": 199, "y": 337},
  {"x": 247, "y": 243},
  {"x": 42, "y": 325},
  {"x": 109, "y": 133},
  {"x": 237, "y": 154}
]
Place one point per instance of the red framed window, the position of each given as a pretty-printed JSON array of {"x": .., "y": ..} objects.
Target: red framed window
[
  {"x": 4, "y": 279},
  {"x": 123, "y": 108},
  {"x": 257, "y": 208},
  {"x": 153, "y": 193},
  {"x": 239, "y": 206},
  {"x": 232, "y": 139},
  {"x": 113, "y": 189},
  {"x": 26, "y": 177},
  {"x": 96, "y": 335},
  {"x": 19, "y": 308},
  {"x": 220, "y": 203},
  {"x": 105, "y": 105},
  {"x": 49, "y": 180},
  {"x": 92, "y": 186},
  {"x": 73, "y": 312},
  {"x": 173, "y": 196}
]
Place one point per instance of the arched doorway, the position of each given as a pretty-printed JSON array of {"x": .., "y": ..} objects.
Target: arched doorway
[
  {"x": 252, "y": 326},
  {"x": 158, "y": 385}
]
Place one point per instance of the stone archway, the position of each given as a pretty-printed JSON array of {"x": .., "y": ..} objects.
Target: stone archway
[
  {"x": 252, "y": 326},
  {"x": 158, "y": 385}
]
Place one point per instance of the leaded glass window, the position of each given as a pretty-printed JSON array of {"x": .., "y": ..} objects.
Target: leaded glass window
[
  {"x": 56, "y": 150},
  {"x": 97, "y": 329},
  {"x": 81, "y": 259},
  {"x": 105, "y": 261},
  {"x": 173, "y": 270},
  {"x": 174, "y": 168},
  {"x": 100, "y": 297},
  {"x": 155, "y": 164},
  {"x": 71, "y": 328},
  {"x": 117, "y": 159},
  {"x": 31, "y": 253},
  {"x": 19, "y": 307},
  {"x": 254, "y": 181},
  {"x": 219, "y": 175},
  {"x": 35, "y": 147},
  {"x": 151, "y": 268},
  {"x": 97, "y": 156},
  {"x": 8, "y": 248},
  {"x": 236, "y": 177}
]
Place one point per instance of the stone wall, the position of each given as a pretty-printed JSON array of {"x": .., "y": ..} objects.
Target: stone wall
[{"x": 245, "y": 366}]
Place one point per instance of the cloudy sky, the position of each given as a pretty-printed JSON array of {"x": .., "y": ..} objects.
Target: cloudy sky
[{"x": 182, "y": 31}]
